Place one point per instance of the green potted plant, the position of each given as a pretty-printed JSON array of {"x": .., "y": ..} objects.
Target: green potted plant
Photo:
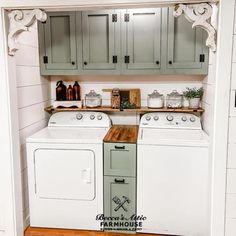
[{"x": 194, "y": 95}]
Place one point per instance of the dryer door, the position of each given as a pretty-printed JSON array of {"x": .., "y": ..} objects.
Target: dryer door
[{"x": 64, "y": 174}]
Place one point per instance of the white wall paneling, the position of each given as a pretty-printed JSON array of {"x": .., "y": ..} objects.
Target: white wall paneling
[
  {"x": 33, "y": 93},
  {"x": 231, "y": 206},
  {"x": 231, "y": 183},
  {"x": 231, "y": 156},
  {"x": 230, "y": 227}
]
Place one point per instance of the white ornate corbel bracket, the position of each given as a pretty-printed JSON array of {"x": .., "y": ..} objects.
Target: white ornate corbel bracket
[
  {"x": 200, "y": 15},
  {"x": 21, "y": 20}
]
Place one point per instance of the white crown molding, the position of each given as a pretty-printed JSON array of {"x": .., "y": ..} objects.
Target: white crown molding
[
  {"x": 199, "y": 15},
  {"x": 21, "y": 20}
]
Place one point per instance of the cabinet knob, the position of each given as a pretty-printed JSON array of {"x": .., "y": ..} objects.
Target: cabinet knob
[
  {"x": 157, "y": 62},
  {"x": 85, "y": 63},
  {"x": 170, "y": 62},
  {"x": 73, "y": 63}
]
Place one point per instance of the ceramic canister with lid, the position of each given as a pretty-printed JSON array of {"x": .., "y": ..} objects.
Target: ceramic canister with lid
[{"x": 155, "y": 100}]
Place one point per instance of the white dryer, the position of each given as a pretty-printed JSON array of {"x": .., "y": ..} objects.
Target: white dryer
[
  {"x": 173, "y": 177},
  {"x": 65, "y": 171}
]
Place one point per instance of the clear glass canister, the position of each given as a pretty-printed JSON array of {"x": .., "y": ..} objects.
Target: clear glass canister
[
  {"x": 174, "y": 100},
  {"x": 92, "y": 99},
  {"x": 155, "y": 100}
]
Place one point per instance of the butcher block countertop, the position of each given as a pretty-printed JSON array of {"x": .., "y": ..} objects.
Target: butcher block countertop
[{"x": 122, "y": 134}]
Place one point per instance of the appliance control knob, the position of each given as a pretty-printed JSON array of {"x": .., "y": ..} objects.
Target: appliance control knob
[
  {"x": 148, "y": 118},
  {"x": 184, "y": 118},
  {"x": 79, "y": 116},
  {"x": 192, "y": 119},
  {"x": 156, "y": 118},
  {"x": 92, "y": 117},
  {"x": 99, "y": 117},
  {"x": 170, "y": 118}
]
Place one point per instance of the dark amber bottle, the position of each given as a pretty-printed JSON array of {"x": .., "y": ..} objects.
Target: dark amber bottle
[
  {"x": 76, "y": 91},
  {"x": 70, "y": 96},
  {"x": 60, "y": 91}
]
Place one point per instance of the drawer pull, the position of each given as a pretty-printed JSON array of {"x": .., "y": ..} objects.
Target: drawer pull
[
  {"x": 119, "y": 147},
  {"x": 119, "y": 180}
]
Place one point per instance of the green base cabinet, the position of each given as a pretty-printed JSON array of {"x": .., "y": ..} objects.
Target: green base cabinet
[
  {"x": 120, "y": 201},
  {"x": 120, "y": 186}
]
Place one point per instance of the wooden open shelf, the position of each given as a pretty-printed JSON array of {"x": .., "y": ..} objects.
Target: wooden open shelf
[{"x": 136, "y": 110}]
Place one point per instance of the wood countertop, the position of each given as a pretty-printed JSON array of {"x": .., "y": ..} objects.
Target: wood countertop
[{"x": 122, "y": 134}]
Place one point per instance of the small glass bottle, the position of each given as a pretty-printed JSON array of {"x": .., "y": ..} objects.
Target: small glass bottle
[{"x": 70, "y": 96}]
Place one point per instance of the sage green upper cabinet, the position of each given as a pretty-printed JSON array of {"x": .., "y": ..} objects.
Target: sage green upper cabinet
[
  {"x": 133, "y": 41},
  {"x": 58, "y": 46},
  {"x": 185, "y": 52},
  {"x": 100, "y": 31},
  {"x": 141, "y": 41}
]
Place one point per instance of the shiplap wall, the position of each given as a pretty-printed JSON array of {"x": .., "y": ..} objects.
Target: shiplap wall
[
  {"x": 33, "y": 93},
  {"x": 208, "y": 98},
  {"x": 164, "y": 84},
  {"x": 230, "y": 223}
]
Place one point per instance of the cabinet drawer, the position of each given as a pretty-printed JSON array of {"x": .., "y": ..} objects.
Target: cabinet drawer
[
  {"x": 120, "y": 159},
  {"x": 120, "y": 198}
]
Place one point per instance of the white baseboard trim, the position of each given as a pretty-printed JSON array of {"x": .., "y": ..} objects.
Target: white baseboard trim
[{"x": 26, "y": 222}]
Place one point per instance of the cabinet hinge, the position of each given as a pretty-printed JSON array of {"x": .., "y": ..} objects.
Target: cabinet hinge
[
  {"x": 126, "y": 59},
  {"x": 114, "y": 17},
  {"x": 114, "y": 59},
  {"x": 202, "y": 58},
  {"x": 126, "y": 17},
  {"x": 45, "y": 60}
]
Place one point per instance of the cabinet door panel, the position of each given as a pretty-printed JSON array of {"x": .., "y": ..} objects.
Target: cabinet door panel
[
  {"x": 120, "y": 159},
  {"x": 119, "y": 198},
  {"x": 60, "y": 41},
  {"x": 99, "y": 36},
  {"x": 184, "y": 44},
  {"x": 143, "y": 39}
]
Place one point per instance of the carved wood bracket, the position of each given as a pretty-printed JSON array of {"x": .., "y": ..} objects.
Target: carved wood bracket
[
  {"x": 21, "y": 20},
  {"x": 200, "y": 15}
]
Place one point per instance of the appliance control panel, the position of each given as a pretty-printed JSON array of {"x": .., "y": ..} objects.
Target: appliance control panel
[
  {"x": 170, "y": 120},
  {"x": 80, "y": 119}
]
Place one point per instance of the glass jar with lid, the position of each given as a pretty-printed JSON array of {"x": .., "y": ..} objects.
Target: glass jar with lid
[
  {"x": 174, "y": 100},
  {"x": 92, "y": 99},
  {"x": 155, "y": 100}
]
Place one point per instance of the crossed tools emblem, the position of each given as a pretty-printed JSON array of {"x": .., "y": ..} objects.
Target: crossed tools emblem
[{"x": 120, "y": 202}]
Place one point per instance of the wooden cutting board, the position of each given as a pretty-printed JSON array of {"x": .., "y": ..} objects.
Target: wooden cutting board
[{"x": 134, "y": 95}]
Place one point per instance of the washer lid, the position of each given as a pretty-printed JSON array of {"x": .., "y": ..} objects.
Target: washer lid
[
  {"x": 176, "y": 137},
  {"x": 68, "y": 135}
]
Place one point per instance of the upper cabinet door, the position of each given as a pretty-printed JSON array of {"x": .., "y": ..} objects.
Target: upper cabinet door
[
  {"x": 60, "y": 41},
  {"x": 185, "y": 48},
  {"x": 100, "y": 40},
  {"x": 142, "y": 40}
]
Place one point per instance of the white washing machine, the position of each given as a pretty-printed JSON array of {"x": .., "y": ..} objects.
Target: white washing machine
[
  {"x": 65, "y": 171},
  {"x": 173, "y": 177}
]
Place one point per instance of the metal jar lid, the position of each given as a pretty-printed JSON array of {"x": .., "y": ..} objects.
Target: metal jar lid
[
  {"x": 155, "y": 94},
  {"x": 93, "y": 94},
  {"x": 174, "y": 94}
]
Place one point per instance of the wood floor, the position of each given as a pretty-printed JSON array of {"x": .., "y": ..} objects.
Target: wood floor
[{"x": 64, "y": 232}]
